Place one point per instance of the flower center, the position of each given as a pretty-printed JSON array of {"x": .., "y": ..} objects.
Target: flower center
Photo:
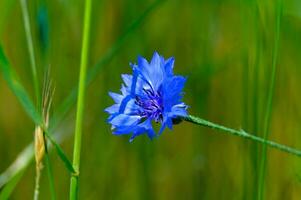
[{"x": 151, "y": 105}]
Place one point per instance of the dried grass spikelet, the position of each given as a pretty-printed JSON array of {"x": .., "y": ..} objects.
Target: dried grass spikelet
[
  {"x": 39, "y": 146},
  {"x": 40, "y": 140}
]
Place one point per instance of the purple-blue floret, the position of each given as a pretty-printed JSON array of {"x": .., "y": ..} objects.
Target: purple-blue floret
[{"x": 151, "y": 93}]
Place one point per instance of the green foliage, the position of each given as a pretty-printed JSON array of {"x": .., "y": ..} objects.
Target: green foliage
[
  {"x": 12, "y": 80},
  {"x": 10, "y": 186},
  {"x": 268, "y": 113}
]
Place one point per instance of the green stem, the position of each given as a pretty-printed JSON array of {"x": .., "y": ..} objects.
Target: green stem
[
  {"x": 80, "y": 102},
  {"x": 29, "y": 40},
  {"x": 267, "y": 118},
  {"x": 37, "y": 184},
  {"x": 255, "y": 97},
  {"x": 30, "y": 49},
  {"x": 243, "y": 134}
]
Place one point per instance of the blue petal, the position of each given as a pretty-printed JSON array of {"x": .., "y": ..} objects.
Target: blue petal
[
  {"x": 112, "y": 109},
  {"x": 125, "y": 120},
  {"x": 169, "y": 123},
  {"x": 142, "y": 63},
  {"x": 131, "y": 107},
  {"x": 124, "y": 91},
  {"x": 168, "y": 65},
  {"x": 156, "y": 61},
  {"x": 179, "y": 110},
  {"x": 140, "y": 83},
  {"x": 121, "y": 130},
  {"x": 145, "y": 127},
  {"x": 156, "y": 73},
  {"x": 127, "y": 79},
  {"x": 166, "y": 122},
  {"x": 151, "y": 73},
  {"x": 116, "y": 97},
  {"x": 172, "y": 92},
  {"x": 143, "y": 67}
]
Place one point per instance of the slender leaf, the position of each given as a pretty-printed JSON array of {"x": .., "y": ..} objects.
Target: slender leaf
[
  {"x": 269, "y": 106},
  {"x": 10, "y": 186},
  {"x": 29, "y": 40},
  {"x": 22, "y": 161},
  {"x": 61, "y": 153},
  {"x": 12, "y": 80}
]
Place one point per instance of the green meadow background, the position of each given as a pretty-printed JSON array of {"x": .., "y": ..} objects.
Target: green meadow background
[{"x": 224, "y": 48}]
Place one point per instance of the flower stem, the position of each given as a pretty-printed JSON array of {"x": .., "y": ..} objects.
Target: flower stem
[
  {"x": 243, "y": 134},
  {"x": 80, "y": 102}
]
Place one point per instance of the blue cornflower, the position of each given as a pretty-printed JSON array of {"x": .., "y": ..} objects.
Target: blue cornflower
[{"x": 152, "y": 93}]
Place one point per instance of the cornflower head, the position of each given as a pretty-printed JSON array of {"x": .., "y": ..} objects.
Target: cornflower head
[{"x": 151, "y": 94}]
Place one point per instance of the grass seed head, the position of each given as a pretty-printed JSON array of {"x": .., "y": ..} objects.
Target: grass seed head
[{"x": 39, "y": 146}]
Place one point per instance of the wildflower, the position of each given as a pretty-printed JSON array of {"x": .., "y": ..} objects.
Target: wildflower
[{"x": 152, "y": 94}]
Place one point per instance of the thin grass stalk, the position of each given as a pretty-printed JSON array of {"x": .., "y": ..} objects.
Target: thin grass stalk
[
  {"x": 48, "y": 93},
  {"x": 267, "y": 118},
  {"x": 255, "y": 97},
  {"x": 243, "y": 134},
  {"x": 43, "y": 143},
  {"x": 80, "y": 101},
  {"x": 30, "y": 49},
  {"x": 49, "y": 170},
  {"x": 39, "y": 155},
  {"x": 246, "y": 85},
  {"x": 37, "y": 185},
  {"x": 41, "y": 149}
]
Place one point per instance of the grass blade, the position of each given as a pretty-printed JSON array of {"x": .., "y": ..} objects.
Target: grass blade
[
  {"x": 30, "y": 49},
  {"x": 49, "y": 171},
  {"x": 12, "y": 80},
  {"x": 10, "y": 186},
  {"x": 267, "y": 118},
  {"x": 60, "y": 153},
  {"x": 22, "y": 161},
  {"x": 50, "y": 175}
]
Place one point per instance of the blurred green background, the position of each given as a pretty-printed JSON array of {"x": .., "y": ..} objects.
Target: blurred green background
[{"x": 224, "y": 48}]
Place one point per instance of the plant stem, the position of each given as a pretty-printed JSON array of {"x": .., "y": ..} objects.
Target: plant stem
[
  {"x": 30, "y": 49},
  {"x": 37, "y": 184},
  {"x": 80, "y": 102},
  {"x": 255, "y": 93},
  {"x": 267, "y": 118},
  {"x": 49, "y": 170},
  {"x": 38, "y": 99},
  {"x": 243, "y": 134}
]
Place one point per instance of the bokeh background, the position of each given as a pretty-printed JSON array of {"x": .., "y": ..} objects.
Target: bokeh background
[{"x": 224, "y": 48}]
